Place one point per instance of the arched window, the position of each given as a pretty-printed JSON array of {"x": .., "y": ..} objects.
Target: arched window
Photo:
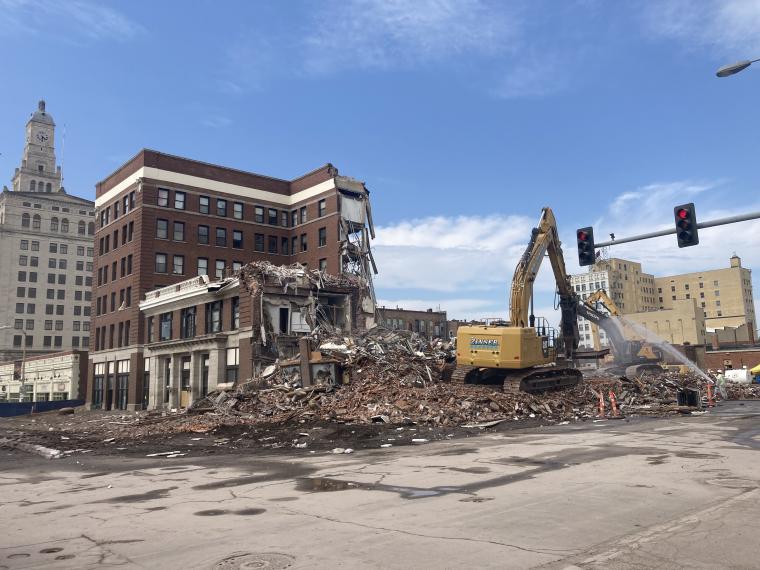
[
  {"x": 54, "y": 224},
  {"x": 81, "y": 228},
  {"x": 24, "y": 220},
  {"x": 65, "y": 225},
  {"x": 32, "y": 186},
  {"x": 36, "y": 222},
  {"x": 91, "y": 229},
  {"x": 49, "y": 187}
]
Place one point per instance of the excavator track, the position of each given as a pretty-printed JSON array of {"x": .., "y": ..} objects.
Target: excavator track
[{"x": 533, "y": 380}]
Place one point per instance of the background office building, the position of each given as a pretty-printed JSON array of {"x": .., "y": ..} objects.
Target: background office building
[
  {"x": 46, "y": 253},
  {"x": 162, "y": 219}
]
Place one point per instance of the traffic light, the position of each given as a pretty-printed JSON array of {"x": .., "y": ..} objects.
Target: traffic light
[
  {"x": 586, "y": 255},
  {"x": 686, "y": 225}
]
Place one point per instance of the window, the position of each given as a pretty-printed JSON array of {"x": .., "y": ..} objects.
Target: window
[
  {"x": 701, "y": 285},
  {"x": 163, "y": 197},
  {"x": 221, "y": 237},
  {"x": 162, "y": 229},
  {"x": 219, "y": 273},
  {"x": 272, "y": 244},
  {"x": 129, "y": 264},
  {"x": 58, "y": 341},
  {"x": 76, "y": 325},
  {"x": 53, "y": 224},
  {"x": 30, "y": 324},
  {"x": 61, "y": 264},
  {"x": 715, "y": 283},
  {"x": 48, "y": 325},
  {"x": 203, "y": 235},
  {"x": 304, "y": 244},
  {"x": 237, "y": 210},
  {"x": 231, "y": 371},
  {"x": 22, "y": 275},
  {"x": 322, "y": 237},
  {"x": 49, "y": 309},
  {"x": 160, "y": 263},
  {"x": 65, "y": 225},
  {"x": 323, "y": 264},
  {"x": 273, "y": 216},
  {"x": 36, "y": 222},
  {"x": 178, "y": 266},
  {"x": 294, "y": 218},
  {"x": 52, "y": 263},
  {"x": 284, "y": 219},
  {"x": 237, "y": 266},
  {"x": 202, "y": 266},
  {"x": 25, "y": 218},
  {"x": 16, "y": 340},
  {"x": 149, "y": 327},
  {"x": 23, "y": 260},
  {"x": 20, "y": 291},
  {"x": 258, "y": 243},
  {"x": 285, "y": 246},
  {"x": 213, "y": 317},
  {"x": 237, "y": 239},
  {"x": 80, "y": 265},
  {"x": 221, "y": 207},
  {"x": 720, "y": 313},
  {"x": 258, "y": 215},
  {"x": 294, "y": 245},
  {"x": 303, "y": 215},
  {"x": 35, "y": 246},
  {"x": 717, "y": 293},
  {"x": 203, "y": 205},
  {"x": 61, "y": 279},
  {"x": 179, "y": 231},
  {"x": 187, "y": 323},
  {"x": 18, "y": 324},
  {"x": 165, "y": 326},
  {"x": 235, "y": 313},
  {"x": 24, "y": 244},
  {"x": 59, "y": 325},
  {"x": 179, "y": 200},
  {"x": 321, "y": 207},
  {"x": 61, "y": 294}
]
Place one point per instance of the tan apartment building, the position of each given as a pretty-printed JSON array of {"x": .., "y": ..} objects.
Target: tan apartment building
[
  {"x": 625, "y": 282},
  {"x": 429, "y": 323},
  {"x": 725, "y": 295}
]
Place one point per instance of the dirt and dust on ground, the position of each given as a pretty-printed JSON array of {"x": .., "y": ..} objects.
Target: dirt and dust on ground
[{"x": 397, "y": 395}]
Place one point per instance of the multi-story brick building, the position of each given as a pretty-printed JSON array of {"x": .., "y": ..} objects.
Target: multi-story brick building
[
  {"x": 162, "y": 219},
  {"x": 428, "y": 323},
  {"x": 46, "y": 253}
]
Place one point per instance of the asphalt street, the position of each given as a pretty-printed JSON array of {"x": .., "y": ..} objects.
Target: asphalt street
[{"x": 679, "y": 492}]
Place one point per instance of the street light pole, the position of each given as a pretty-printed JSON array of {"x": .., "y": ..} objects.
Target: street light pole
[{"x": 735, "y": 68}]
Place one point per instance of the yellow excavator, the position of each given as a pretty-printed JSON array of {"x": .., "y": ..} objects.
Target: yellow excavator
[
  {"x": 525, "y": 354},
  {"x": 631, "y": 357}
]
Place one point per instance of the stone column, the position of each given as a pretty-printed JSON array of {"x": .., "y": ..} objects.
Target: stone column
[
  {"x": 156, "y": 398},
  {"x": 216, "y": 363},
  {"x": 176, "y": 367},
  {"x": 196, "y": 369}
]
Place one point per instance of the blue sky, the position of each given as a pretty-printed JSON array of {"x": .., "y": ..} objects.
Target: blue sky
[{"x": 464, "y": 117}]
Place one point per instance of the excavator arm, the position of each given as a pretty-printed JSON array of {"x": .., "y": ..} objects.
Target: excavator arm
[{"x": 544, "y": 240}]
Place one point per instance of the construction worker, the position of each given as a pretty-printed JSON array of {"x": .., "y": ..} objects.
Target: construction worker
[{"x": 720, "y": 384}]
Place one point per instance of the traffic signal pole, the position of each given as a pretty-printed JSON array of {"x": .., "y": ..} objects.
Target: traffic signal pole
[{"x": 700, "y": 225}]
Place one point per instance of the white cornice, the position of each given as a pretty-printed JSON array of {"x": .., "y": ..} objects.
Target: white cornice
[{"x": 170, "y": 177}]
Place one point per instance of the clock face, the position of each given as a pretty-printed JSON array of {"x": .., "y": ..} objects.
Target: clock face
[{"x": 42, "y": 136}]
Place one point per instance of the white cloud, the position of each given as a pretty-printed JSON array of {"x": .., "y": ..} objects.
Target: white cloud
[
  {"x": 385, "y": 33},
  {"x": 465, "y": 264},
  {"x": 729, "y": 27},
  {"x": 89, "y": 20}
]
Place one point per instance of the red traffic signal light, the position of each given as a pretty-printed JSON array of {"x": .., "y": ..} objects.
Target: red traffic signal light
[
  {"x": 686, "y": 225},
  {"x": 585, "y": 239}
]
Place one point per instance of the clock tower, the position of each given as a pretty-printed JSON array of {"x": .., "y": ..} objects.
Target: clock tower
[{"x": 38, "y": 171}]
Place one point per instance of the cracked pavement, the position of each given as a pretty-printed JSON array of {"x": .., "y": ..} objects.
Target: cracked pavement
[{"x": 649, "y": 493}]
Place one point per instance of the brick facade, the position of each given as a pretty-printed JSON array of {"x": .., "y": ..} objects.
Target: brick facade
[{"x": 153, "y": 186}]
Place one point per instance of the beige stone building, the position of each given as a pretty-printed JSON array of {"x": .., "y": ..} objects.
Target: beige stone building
[
  {"x": 683, "y": 323},
  {"x": 628, "y": 286},
  {"x": 46, "y": 253},
  {"x": 51, "y": 377},
  {"x": 725, "y": 295}
]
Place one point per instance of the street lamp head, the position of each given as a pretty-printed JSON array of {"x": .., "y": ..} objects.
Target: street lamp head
[{"x": 734, "y": 68}]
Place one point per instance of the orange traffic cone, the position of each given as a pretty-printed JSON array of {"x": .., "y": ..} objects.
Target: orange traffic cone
[
  {"x": 613, "y": 403},
  {"x": 601, "y": 404},
  {"x": 710, "y": 401}
]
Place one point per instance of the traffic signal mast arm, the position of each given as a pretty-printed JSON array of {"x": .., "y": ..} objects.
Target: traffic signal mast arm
[{"x": 700, "y": 225}]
